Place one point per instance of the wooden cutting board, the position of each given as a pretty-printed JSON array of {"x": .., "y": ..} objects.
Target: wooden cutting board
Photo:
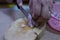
[{"x": 20, "y": 30}]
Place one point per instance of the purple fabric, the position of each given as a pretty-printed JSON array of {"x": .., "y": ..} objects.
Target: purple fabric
[{"x": 54, "y": 21}]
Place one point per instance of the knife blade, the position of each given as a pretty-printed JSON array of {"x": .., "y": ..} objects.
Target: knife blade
[
  {"x": 28, "y": 16},
  {"x": 24, "y": 11}
]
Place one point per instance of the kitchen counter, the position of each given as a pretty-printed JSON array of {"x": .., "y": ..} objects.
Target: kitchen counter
[{"x": 8, "y": 15}]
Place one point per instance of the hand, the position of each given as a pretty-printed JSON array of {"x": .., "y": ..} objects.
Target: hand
[{"x": 40, "y": 10}]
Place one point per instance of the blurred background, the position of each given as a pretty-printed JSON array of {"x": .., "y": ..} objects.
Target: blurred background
[{"x": 9, "y": 12}]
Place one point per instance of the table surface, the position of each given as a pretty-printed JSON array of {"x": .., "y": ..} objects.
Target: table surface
[{"x": 7, "y": 16}]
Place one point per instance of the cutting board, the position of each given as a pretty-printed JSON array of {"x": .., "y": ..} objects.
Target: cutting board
[{"x": 20, "y": 30}]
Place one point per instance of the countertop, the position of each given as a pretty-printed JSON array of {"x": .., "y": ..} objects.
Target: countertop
[{"x": 8, "y": 15}]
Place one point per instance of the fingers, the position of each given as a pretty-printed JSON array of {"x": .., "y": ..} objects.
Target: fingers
[
  {"x": 19, "y": 2},
  {"x": 50, "y": 4},
  {"x": 40, "y": 10},
  {"x": 35, "y": 7},
  {"x": 45, "y": 12},
  {"x": 31, "y": 7},
  {"x": 47, "y": 7}
]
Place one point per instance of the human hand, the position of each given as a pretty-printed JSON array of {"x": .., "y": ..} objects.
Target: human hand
[{"x": 40, "y": 10}]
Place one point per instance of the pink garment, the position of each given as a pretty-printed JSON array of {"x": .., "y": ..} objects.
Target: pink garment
[{"x": 54, "y": 21}]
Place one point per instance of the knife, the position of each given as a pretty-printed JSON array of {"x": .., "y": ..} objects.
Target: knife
[{"x": 27, "y": 14}]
